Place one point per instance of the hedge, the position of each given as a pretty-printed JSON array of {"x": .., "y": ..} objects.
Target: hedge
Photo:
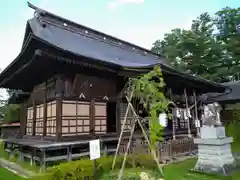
[
  {"x": 83, "y": 169},
  {"x": 233, "y": 129}
]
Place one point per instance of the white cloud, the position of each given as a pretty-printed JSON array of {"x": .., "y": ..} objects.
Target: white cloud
[{"x": 116, "y": 3}]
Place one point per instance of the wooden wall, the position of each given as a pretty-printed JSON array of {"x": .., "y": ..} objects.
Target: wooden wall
[
  {"x": 70, "y": 106},
  {"x": 91, "y": 87},
  {"x": 84, "y": 117},
  {"x": 75, "y": 118}
]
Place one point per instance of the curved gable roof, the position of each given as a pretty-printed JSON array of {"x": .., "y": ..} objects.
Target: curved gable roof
[{"x": 84, "y": 41}]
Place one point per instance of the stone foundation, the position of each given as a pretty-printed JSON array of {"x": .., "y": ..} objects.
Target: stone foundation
[{"x": 214, "y": 154}]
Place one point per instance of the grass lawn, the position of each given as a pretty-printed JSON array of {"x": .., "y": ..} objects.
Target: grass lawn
[
  {"x": 8, "y": 175},
  {"x": 180, "y": 171}
]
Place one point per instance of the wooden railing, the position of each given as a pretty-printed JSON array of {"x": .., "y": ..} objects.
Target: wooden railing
[{"x": 166, "y": 151}]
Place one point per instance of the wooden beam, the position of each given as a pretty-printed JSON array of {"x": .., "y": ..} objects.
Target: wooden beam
[{"x": 82, "y": 62}]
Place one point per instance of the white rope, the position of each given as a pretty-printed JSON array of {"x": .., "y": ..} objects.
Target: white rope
[{"x": 191, "y": 107}]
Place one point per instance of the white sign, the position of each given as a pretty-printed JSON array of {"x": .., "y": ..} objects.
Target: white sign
[
  {"x": 163, "y": 119},
  {"x": 94, "y": 146},
  {"x": 197, "y": 123}
]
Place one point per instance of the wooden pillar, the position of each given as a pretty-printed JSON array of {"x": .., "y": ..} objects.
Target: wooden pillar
[
  {"x": 21, "y": 158},
  {"x": 23, "y": 119},
  {"x": 188, "y": 123},
  {"x": 43, "y": 160},
  {"x": 69, "y": 153},
  {"x": 173, "y": 119},
  {"x": 45, "y": 111},
  {"x": 34, "y": 118},
  {"x": 59, "y": 118},
  {"x": 196, "y": 113},
  {"x": 92, "y": 117},
  {"x": 33, "y": 156},
  {"x": 59, "y": 97}
]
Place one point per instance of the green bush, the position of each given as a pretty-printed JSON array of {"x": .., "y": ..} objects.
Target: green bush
[
  {"x": 77, "y": 170},
  {"x": 130, "y": 174},
  {"x": 145, "y": 161},
  {"x": 232, "y": 129}
]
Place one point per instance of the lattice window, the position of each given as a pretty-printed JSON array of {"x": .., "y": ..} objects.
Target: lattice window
[
  {"x": 76, "y": 118},
  {"x": 51, "y": 119},
  {"x": 39, "y": 120},
  {"x": 100, "y": 118},
  {"x": 29, "y": 126},
  {"x": 123, "y": 109}
]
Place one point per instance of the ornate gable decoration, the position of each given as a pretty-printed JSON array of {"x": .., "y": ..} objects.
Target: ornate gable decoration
[
  {"x": 105, "y": 98},
  {"x": 81, "y": 96}
]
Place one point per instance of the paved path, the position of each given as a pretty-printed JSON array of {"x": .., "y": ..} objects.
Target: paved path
[{"x": 15, "y": 168}]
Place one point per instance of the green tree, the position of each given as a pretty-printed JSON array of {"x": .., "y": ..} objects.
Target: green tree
[
  {"x": 226, "y": 21},
  {"x": 9, "y": 112},
  {"x": 196, "y": 51}
]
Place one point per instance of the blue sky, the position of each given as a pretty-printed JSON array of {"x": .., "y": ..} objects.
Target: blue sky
[{"x": 138, "y": 21}]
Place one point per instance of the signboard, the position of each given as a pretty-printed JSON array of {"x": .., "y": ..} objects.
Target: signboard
[
  {"x": 94, "y": 146},
  {"x": 163, "y": 119},
  {"x": 197, "y": 124}
]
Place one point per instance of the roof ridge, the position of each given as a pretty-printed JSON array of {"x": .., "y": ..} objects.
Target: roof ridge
[{"x": 43, "y": 12}]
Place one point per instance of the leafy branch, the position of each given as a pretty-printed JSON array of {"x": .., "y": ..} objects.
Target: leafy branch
[{"x": 149, "y": 89}]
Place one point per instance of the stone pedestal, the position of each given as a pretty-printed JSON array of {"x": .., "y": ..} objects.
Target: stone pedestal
[{"x": 214, "y": 151}]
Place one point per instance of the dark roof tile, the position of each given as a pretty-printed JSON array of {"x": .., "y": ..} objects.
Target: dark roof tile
[
  {"x": 232, "y": 93},
  {"x": 73, "y": 38}
]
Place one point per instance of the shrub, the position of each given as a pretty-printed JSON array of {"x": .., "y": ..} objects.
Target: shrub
[
  {"x": 77, "y": 170},
  {"x": 232, "y": 129},
  {"x": 131, "y": 174},
  {"x": 145, "y": 161},
  {"x": 71, "y": 170}
]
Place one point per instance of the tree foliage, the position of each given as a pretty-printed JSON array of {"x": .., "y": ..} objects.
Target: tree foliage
[
  {"x": 149, "y": 88},
  {"x": 210, "y": 49},
  {"x": 9, "y": 112}
]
